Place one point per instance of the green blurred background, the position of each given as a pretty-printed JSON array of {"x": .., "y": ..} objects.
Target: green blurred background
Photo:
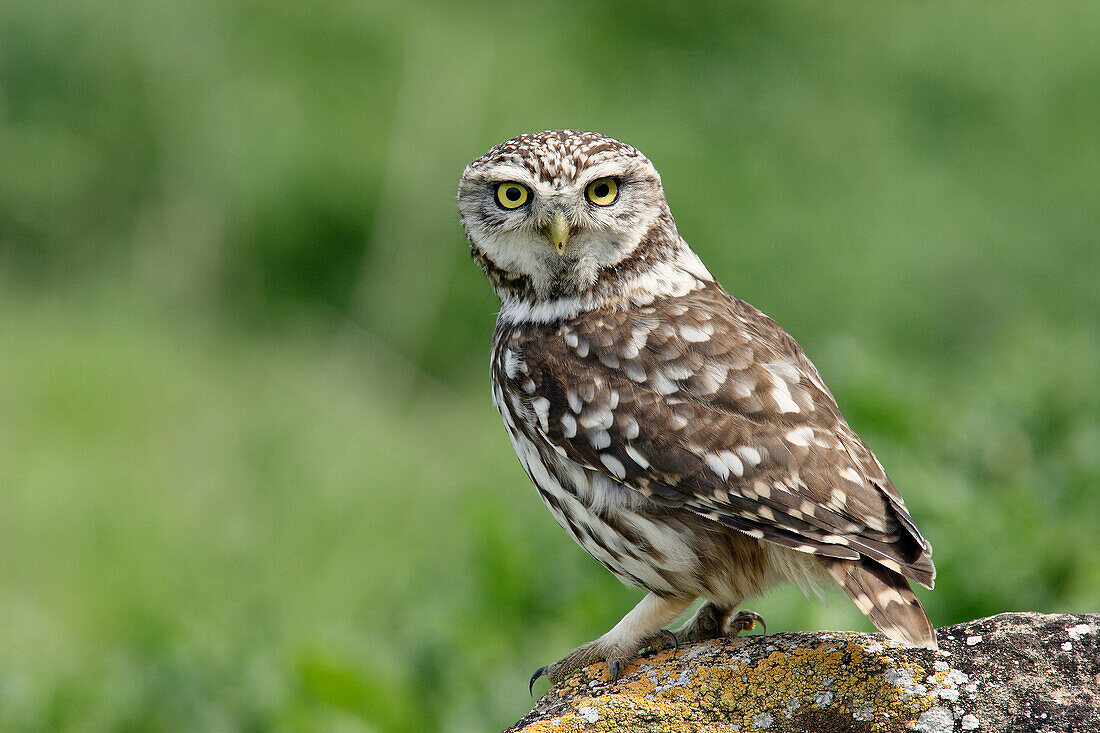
[{"x": 250, "y": 474}]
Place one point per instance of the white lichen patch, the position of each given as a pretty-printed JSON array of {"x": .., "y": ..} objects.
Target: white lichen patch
[
  {"x": 955, "y": 678},
  {"x": 973, "y": 640},
  {"x": 935, "y": 720},
  {"x": 683, "y": 679},
  {"x": 969, "y": 722},
  {"x": 762, "y": 721},
  {"x": 588, "y": 714},
  {"x": 903, "y": 678},
  {"x": 945, "y": 682},
  {"x": 1076, "y": 632},
  {"x": 699, "y": 650}
]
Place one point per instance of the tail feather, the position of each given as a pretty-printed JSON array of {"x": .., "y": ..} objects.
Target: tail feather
[{"x": 886, "y": 598}]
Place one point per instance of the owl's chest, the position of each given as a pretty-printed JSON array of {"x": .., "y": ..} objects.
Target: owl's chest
[
  {"x": 592, "y": 509},
  {"x": 530, "y": 403},
  {"x": 613, "y": 523}
]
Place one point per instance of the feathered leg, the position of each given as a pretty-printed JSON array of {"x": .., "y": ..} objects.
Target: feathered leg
[
  {"x": 642, "y": 627},
  {"x": 713, "y": 621}
]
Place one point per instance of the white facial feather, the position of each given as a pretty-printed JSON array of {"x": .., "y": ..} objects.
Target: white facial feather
[{"x": 516, "y": 241}]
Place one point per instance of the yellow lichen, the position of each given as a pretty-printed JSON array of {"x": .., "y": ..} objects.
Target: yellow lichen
[{"x": 811, "y": 688}]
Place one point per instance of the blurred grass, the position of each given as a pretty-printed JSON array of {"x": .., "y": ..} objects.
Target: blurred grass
[{"x": 250, "y": 476}]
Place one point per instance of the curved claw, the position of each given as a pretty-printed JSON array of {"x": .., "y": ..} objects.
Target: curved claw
[
  {"x": 747, "y": 620},
  {"x": 675, "y": 641},
  {"x": 538, "y": 673},
  {"x": 615, "y": 666}
]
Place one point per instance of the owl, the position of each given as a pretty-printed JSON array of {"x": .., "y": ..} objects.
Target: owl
[{"x": 678, "y": 434}]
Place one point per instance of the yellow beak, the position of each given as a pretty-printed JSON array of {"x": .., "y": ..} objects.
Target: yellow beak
[{"x": 559, "y": 231}]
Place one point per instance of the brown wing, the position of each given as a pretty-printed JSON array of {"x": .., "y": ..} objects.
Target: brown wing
[{"x": 703, "y": 402}]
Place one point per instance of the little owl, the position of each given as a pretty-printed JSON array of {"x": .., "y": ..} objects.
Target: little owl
[{"x": 677, "y": 433}]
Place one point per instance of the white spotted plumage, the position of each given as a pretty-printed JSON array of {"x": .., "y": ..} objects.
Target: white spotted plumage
[{"x": 677, "y": 433}]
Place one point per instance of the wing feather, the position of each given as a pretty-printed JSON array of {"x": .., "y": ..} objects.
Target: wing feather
[{"x": 703, "y": 402}]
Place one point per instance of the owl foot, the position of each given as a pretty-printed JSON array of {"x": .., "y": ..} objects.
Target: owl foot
[
  {"x": 713, "y": 622},
  {"x": 643, "y": 627},
  {"x": 615, "y": 655},
  {"x": 746, "y": 621}
]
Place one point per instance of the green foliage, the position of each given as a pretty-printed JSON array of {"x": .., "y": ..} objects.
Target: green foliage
[{"x": 250, "y": 477}]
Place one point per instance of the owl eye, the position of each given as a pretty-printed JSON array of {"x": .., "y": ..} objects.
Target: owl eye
[
  {"x": 511, "y": 195},
  {"x": 603, "y": 191}
]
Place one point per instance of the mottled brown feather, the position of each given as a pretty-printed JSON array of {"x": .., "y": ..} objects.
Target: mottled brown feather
[{"x": 713, "y": 376}]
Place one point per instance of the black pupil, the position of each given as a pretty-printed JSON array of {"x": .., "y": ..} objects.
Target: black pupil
[
  {"x": 601, "y": 190},
  {"x": 512, "y": 193}
]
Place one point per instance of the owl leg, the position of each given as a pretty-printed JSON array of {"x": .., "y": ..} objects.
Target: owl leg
[
  {"x": 712, "y": 621},
  {"x": 643, "y": 626}
]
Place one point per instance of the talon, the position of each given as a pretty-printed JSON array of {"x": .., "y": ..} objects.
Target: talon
[
  {"x": 538, "y": 673},
  {"x": 747, "y": 620},
  {"x": 615, "y": 666},
  {"x": 675, "y": 641}
]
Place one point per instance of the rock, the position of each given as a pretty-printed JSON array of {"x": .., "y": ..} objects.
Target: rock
[{"x": 1018, "y": 672}]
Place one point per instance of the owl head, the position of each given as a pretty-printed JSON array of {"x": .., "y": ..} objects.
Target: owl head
[{"x": 564, "y": 214}]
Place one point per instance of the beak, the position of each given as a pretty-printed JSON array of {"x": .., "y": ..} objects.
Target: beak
[{"x": 559, "y": 231}]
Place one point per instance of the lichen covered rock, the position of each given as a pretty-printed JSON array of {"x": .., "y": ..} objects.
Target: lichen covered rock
[{"x": 1024, "y": 672}]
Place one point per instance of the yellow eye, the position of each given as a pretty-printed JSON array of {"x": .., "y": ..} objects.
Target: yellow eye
[
  {"x": 603, "y": 191},
  {"x": 511, "y": 195}
]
